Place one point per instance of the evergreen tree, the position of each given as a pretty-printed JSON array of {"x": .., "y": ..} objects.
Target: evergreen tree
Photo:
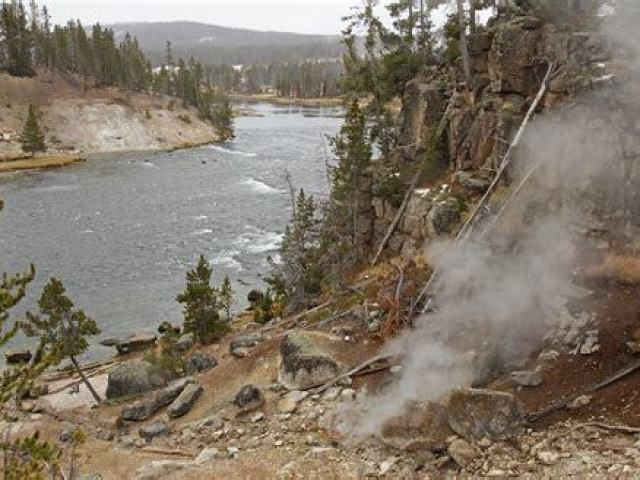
[
  {"x": 201, "y": 305},
  {"x": 32, "y": 138},
  {"x": 62, "y": 330},
  {"x": 226, "y": 296}
]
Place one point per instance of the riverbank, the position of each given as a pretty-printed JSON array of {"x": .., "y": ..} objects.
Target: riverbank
[
  {"x": 331, "y": 102},
  {"x": 40, "y": 161},
  {"x": 97, "y": 120}
]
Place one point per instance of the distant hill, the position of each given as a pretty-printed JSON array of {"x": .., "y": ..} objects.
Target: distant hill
[{"x": 212, "y": 44}]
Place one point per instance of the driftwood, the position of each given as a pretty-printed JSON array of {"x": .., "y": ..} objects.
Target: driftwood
[
  {"x": 468, "y": 227},
  {"x": 613, "y": 428},
  {"x": 80, "y": 380},
  {"x": 350, "y": 373}
]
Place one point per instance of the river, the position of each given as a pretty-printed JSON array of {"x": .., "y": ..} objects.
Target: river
[{"x": 122, "y": 229}]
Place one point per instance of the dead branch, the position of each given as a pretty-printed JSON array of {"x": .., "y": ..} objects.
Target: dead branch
[
  {"x": 613, "y": 428},
  {"x": 79, "y": 381},
  {"x": 616, "y": 376},
  {"x": 467, "y": 229},
  {"x": 350, "y": 373},
  {"x": 171, "y": 453}
]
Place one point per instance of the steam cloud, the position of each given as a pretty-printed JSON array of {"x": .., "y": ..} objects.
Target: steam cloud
[{"x": 497, "y": 296}]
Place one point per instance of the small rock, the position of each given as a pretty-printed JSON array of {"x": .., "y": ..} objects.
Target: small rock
[
  {"x": 233, "y": 451},
  {"x": 549, "y": 356},
  {"x": 462, "y": 452},
  {"x": 249, "y": 398},
  {"x": 185, "y": 401},
  {"x": 374, "y": 326},
  {"x": 15, "y": 356},
  {"x": 526, "y": 378},
  {"x": 240, "y": 352},
  {"x": 387, "y": 465},
  {"x": 278, "y": 443},
  {"x": 590, "y": 344},
  {"x": 66, "y": 434},
  {"x": 348, "y": 394},
  {"x": 186, "y": 342},
  {"x": 207, "y": 455},
  {"x": 289, "y": 402},
  {"x": 153, "y": 430},
  {"x": 257, "y": 417},
  {"x": 548, "y": 458},
  {"x": 247, "y": 340},
  {"x": 579, "y": 402},
  {"x": 110, "y": 342}
]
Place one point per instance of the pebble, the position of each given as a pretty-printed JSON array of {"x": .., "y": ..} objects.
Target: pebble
[
  {"x": 257, "y": 417},
  {"x": 348, "y": 394},
  {"x": 387, "y": 465},
  {"x": 278, "y": 443}
]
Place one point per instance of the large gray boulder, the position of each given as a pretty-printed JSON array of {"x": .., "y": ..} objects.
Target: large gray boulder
[
  {"x": 185, "y": 401},
  {"x": 477, "y": 413},
  {"x": 133, "y": 378},
  {"x": 144, "y": 409},
  {"x": 306, "y": 360},
  {"x": 443, "y": 217}
]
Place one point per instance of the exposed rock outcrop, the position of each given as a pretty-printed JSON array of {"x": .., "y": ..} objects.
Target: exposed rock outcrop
[{"x": 133, "y": 378}]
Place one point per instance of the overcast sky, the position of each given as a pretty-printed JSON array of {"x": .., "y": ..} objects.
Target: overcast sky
[{"x": 304, "y": 16}]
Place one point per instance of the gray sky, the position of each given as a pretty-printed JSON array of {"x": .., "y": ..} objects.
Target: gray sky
[{"x": 305, "y": 16}]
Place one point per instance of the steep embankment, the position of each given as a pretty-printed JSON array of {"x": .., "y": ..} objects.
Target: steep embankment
[{"x": 76, "y": 120}]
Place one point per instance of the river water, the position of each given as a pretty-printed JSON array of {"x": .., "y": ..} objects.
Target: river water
[{"x": 122, "y": 229}]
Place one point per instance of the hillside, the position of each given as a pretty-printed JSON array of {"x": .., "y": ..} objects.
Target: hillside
[
  {"x": 213, "y": 44},
  {"x": 96, "y": 120}
]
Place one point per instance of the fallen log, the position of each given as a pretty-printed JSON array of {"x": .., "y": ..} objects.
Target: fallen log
[{"x": 170, "y": 453}]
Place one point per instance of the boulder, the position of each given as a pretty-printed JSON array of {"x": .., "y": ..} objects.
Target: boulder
[
  {"x": 199, "y": 362},
  {"x": 110, "y": 342},
  {"x": 186, "y": 342},
  {"x": 153, "y": 430},
  {"x": 421, "y": 426},
  {"x": 14, "y": 356},
  {"x": 249, "y": 398},
  {"x": 133, "y": 378},
  {"x": 136, "y": 343},
  {"x": 144, "y": 409},
  {"x": 305, "y": 360},
  {"x": 478, "y": 413},
  {"x": 462, "y": 452},
  {"x": 185, "y": 401}
]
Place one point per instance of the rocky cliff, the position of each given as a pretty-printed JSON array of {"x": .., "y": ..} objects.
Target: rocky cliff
[{"x": 509, "y": 60}]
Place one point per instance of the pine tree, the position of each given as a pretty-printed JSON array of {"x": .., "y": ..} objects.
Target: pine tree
[
  {"x": 32, "y": 138},
  {"x": 201, "y": 305},
  {"x": 62, "y": 330},
  {"x": 226, "y": 296}
]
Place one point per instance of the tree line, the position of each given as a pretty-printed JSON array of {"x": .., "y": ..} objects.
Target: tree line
[{"x": 29, "y": 42}]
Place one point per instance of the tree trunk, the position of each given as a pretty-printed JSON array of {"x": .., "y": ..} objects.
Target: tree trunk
[
  {"x": 85, "y": 379},
  {"x": 464, "y": 50}
]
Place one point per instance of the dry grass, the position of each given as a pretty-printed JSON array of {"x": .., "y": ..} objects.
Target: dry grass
[
  {"x": 45, "y": 161},
  {"x": 618, "y": 267}
]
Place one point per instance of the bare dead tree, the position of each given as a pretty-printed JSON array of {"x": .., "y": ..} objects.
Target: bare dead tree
[{"x": 464, "y": 48}]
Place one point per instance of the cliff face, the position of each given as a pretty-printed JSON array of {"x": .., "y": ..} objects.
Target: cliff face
[
  {"x": 509, "y": 60},
  {"x": 95, "y": 120}
]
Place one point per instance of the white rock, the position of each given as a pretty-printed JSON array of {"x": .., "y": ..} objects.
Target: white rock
[
  {"x": 232, "y": 451},
  {"x": 257, "y": 417},
  {"x": 387, "y": 465},
  {"x": 278, "y": 443},
  {"x": 206, "y": 455},
  {"x": 348, "y": 394},
  {"x": 548, "y": 458},
  {"x": 579, "y": 402},
  {"x": 332, "y": 393}
]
